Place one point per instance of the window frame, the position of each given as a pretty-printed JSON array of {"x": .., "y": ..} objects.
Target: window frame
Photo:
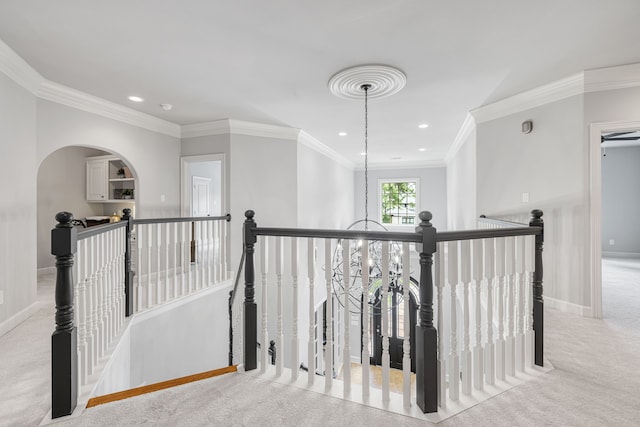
[{"x": 382, "y": 181}]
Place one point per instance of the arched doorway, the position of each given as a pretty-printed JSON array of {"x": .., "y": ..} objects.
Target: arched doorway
[{"x": 396, "y": 313}]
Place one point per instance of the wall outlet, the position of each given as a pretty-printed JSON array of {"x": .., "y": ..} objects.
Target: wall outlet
[
  {"x": 1, "y": 297},
  {"x": 163, "y": 198},
  {"x": 525, "y": 197},
  {"x": 612, "y": 242}
]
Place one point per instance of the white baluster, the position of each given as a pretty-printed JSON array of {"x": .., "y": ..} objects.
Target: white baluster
[
  {"x": 384, "y": 313},
  {"x": 328, "y": 352},
  {"x": 102, "y": 345},
  {"x": 489, "y": 274},
  {"x": 529, "y": 258},
  {"x": 478, "y": 369},
  {"x": 149, "y": 229},
  {"x": 440, "y": 267},
  {"x": 158, "y": 251},
  {"x": 311, "y": 272},
  {"x": 454, "y": 361},
  {"x": 264, "y": 266},
  {"x": 295, "y": 360},
  {"x": 406, "y": 333},
  {"x": 223, "y": 249},
  {"x": 92, "y": 299},
  {"x": 138, "y": 276},
  {"x": 522, "y": 284},
  {"x": 195, "y": 259},
  {"x": 366, "y": 320},
  {"x": 346, "y": 282},
  {"x": 511, "y": 304},
  {"x": 211, "y": 253},
  {"x": 500, "y": 342},
  {"x": 111, "y": 284},
  {"x": 280, "y": 332},
  {"x": 465, "y": 270},
  {"x": 188, "y": 270},
  {"x": 174, "y": 251},
  {"x": 167, "y": 248},
  {"x": 81, "y": 263}
]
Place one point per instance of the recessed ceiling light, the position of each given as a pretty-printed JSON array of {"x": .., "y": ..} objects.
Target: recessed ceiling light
[
  {"x": 422, "y": 149},
  {"x": 136, "y": 99},
  {"x": 423, "y": 126},
  {"x": 166, "y": 107},
  {"x": 342, "y": 134}
]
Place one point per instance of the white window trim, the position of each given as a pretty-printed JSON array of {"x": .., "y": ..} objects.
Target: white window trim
[{"x": 393, "y": 180}]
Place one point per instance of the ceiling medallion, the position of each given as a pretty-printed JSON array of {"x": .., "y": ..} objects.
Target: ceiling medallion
[{"x": 384, "y": 80}]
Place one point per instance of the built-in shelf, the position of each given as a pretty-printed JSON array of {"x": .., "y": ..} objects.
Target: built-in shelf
[{"x": 109, "y": 180}]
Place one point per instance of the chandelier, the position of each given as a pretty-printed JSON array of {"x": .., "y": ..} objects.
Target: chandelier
[{"x": 368, "y": 81}]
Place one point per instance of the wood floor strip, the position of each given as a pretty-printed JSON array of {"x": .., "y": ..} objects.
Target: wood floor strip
[{"x": 113, "y": 397}]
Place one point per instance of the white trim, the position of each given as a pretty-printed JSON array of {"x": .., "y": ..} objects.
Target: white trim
[
  {"x": 595, "y": 208},
  {"x": 611, "y": 78},
  {"x": 568, "y": 307},
  {"x": 467, "y": 128},
  {"x": 311, "y": 142},
  {"x": 422, "y": 164},
  {"x": 240, "y": 127},
  {"x": 541, "y": 95},
  {"x": 631, "y": 255},
  {"x": 19, "y": 317},
  {"x": 83, "y": 101},
  {"x": 18, "y": 70},
  {"x": 185, "y": 182},
  {"x": 46, "y": 270}
]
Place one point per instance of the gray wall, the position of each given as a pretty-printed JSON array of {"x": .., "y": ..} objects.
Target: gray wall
[
  {"x": 461, "y": 187},
  {"x": 62, "y": 186},
  {"x": 18, "y": 202},
  {"x": 551, "y": 164},
  {"x": 621, "y": 200},
  {"x": 433, "y": 192}
]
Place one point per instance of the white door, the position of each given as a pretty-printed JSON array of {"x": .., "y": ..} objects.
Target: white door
[{"x": 200, "y": 196}]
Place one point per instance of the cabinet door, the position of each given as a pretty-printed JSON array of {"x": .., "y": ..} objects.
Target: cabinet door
[{"x": 96, "y": 180}]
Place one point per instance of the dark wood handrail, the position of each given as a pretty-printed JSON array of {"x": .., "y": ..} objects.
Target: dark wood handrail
[
  {"x": 85, "y": 233},
  {"x": 226, "y": 217},
  {"x": 498, "y": 221}
]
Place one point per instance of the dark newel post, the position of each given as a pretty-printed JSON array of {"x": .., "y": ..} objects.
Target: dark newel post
[
  {"x": 426, "y": 334},
  {"x": 128, "y": 274},
  {"x": 64, "y": 358},
  {"x": 250, "y": 306},
  {"x": 538, "y": 302},
  {"x": 231, "y": 328}
]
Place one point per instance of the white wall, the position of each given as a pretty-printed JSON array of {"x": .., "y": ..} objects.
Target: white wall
[
  {"x": 62, "y": 185},
  {"x": 18, "y": 181},
  {"x": 621, "y": 200},
  {"x": 461, "y": 187},
  {"x": 551, "y": 164},
  {"x": 432, "y": 197},
  {"x": 154, "y": 157}
]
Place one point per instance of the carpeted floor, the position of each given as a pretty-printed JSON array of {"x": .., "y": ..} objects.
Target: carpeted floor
[{"x": 593, "y": 384}]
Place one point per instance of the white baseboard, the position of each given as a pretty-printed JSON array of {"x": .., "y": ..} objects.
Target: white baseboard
[
  {"x": 620, "y": 255},
  {"x": 568, "y": 307},
  {"x": 18, "y": 318}
]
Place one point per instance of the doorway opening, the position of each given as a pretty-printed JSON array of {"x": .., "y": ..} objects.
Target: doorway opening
[{"x": 203, "y": 185}]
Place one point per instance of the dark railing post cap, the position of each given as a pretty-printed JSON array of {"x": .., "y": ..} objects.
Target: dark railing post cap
[
  {"x": 64, "y": 219},
  {"x": 126, "y": 212},
  {"x": 536, "y": 213},
  {"x": 425, "y": 217},
  {"x": 249, "y": 214}
]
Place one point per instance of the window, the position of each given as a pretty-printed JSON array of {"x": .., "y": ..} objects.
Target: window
[{"x": 398, "y": 202}]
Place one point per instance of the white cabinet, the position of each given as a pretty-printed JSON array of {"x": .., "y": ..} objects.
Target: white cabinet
[
  {"x": 109, "y": 180},
  {"x": 97, "y": 180}
]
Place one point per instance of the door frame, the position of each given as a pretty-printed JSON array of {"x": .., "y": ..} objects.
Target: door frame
[
  {"x": 185, "y": 181},
  {"x": 595, "y": 185}
]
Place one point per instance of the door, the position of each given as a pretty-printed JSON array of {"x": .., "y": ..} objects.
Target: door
[
  {"x": 200, "y": 196},
  {"x": 396, "y": 315},
  {"x": 97, "y": 180}
]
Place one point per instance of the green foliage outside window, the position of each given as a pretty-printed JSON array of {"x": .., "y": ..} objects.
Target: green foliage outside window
[{"x": 398, "y": 202}]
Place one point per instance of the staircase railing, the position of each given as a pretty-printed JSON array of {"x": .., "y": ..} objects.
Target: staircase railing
[
  {"x": 106, "y": 273},
  {"x": 503, "y": 265}
]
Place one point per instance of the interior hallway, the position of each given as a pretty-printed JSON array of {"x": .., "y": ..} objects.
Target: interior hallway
[{"x": 595, "y": 380}]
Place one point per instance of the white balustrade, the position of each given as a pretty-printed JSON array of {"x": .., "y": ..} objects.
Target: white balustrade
[
  {"x": 328, "y": 353},
  {"x": 465, "y": 276},
  {"x": 311, "y": 271},
  {"x": 295, "y": 359},
  {"x": 478, "y": 351},
  {"x": 366, "y": 356},
  {"x": 346, "y": 284},
  {"x": 406, "y": 327},
  {"x": 280, "y": 332},
  {"x": 264, "y": 268},
  {"x": 454, "y": 359}
]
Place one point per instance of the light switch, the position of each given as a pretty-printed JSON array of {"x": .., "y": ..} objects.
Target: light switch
[
  {"x": 163, "y": 198},
  {"x": 525, "y": 197},
  {"x": 612, "y": 242}
]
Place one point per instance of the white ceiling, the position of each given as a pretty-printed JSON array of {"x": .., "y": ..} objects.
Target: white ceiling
[{"x": 269, "y": 61}]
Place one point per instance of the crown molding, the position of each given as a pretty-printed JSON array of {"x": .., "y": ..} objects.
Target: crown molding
[
  {"x": 239, "y": 127},
  {"x": 92, "y": 104},
  {"x": 18, "y": 70},
  {"x": 309, "y": 141},
  {"x": 467, "y": 128},
  {"x": 555, "y": 91},
  {"x": 404, "y": 165},
  {"x": 622, "y": 77}
]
